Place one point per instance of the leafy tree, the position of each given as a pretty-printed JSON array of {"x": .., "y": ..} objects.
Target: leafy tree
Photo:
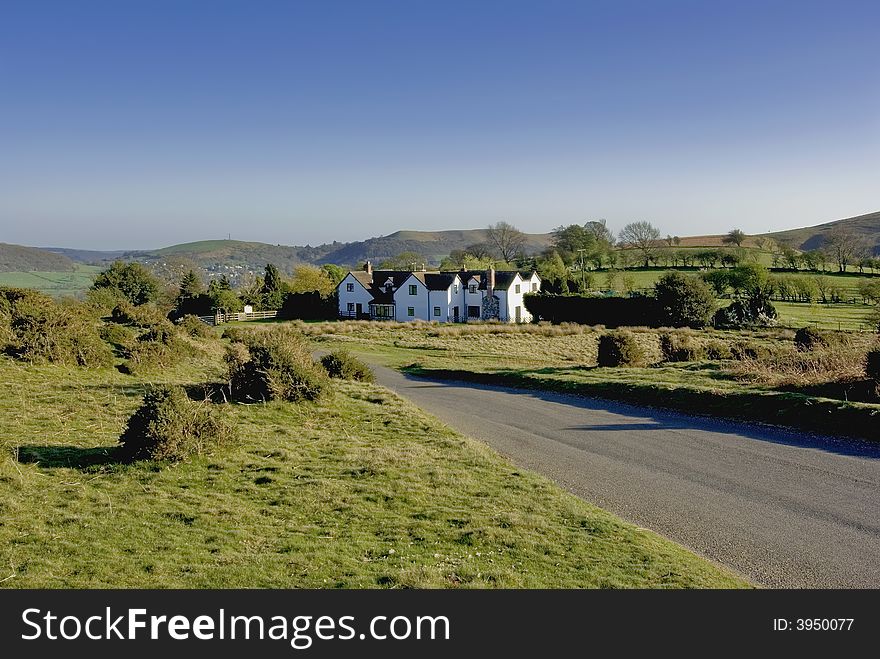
[
  {"x": 684, "y": 300},
  {"x": 131, "y": 281},
  {"x": 308, "y": 278},
  {"x": 334, "y": 272},
  {"x": 223, "y": 297},
  {"x": 192, "y": 299},
  {"x": 719, "y": 280},
  {"x": 642, "y": 236},
  {"x": 507, "y": 240},
  {"x": 554, "y": 274},
  {"x": 734, "y": 237}
]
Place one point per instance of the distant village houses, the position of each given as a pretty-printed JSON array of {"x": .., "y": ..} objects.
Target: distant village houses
[{"x": 446, "y": 297}]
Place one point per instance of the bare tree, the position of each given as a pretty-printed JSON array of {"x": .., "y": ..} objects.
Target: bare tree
[
  {"x": 506, "y": 239},
  {"x": 642, "y": 236},
  {"x": 843, "y": 246}
]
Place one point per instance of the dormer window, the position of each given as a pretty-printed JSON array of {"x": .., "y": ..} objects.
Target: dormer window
[
  {"x": 472, "y": 289},
  {"x": 413, "y": 289}
]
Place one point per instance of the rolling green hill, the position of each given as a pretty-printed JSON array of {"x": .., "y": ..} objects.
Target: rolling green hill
[
  {"x": 18, "y": 258},
  {"x": 867, "y": 225}
]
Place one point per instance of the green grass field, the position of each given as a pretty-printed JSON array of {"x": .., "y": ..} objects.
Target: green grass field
[
  {"x": 825, "y": 316},
  {"x": 359, "y": 490},
  {"x": 57, "y": 284}
]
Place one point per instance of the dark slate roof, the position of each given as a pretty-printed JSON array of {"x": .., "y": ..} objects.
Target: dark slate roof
[
  {"x": 503, "y": 278},
  {"x": 527, "y": 274},
  {"x": 438, "y": 281}
]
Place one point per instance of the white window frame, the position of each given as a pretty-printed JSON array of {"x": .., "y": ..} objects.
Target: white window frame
[
  {"x": 411, "y": 312},
  {"x": 413, "y": 289},
  {"x": 472, "y": 289},
  {"x": 349, "y": 288},
  {"x": 436, "y": 311},
  {"x": 517, "y": 289}
]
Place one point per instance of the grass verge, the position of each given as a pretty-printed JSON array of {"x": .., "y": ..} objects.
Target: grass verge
[{"x": 361, "y": 489}]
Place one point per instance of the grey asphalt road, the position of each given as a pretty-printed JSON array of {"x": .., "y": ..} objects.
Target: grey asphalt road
[{"x": 783, "y": 509}]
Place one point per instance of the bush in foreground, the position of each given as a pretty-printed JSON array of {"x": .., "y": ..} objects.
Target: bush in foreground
[
  {"x": 680, "y": 348},
  {"x": 342, "y": 364},
  {"x": 194, "y": 327},
  {"x": 684, "y": 301},
  {"x": 38, "y": 329},
  {"x": 620, "y": 349},
  {"x": 807, "y": 338},
  {"x": 274, "y": 365},
  {"x": 170, "y": 426}
]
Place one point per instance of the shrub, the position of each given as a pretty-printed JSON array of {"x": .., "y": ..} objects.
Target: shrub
[
  {"x": 277, "y": 365},
  {"x": 684, "y": 301},
  {"x": 145, "y": 315},
  {"x": 41, "y": 330},
  {"x": 159, "y": 347},
  {"x": 194, "y": 327},
  {"x": 742, "y": 349},
  {"x": 342, "y": 364},
  {"x": 620, "y": 349},
  {"x": 118, "y": 336},
  {"x": 169, "y": 426},
  {"x": 807, "y": 338},
  {"x": 746, "y": 313},
  {"x": 872, "y": 365},
  {"x": 680, "y": 348},
  {"x": 240, "y": 334},
  {"x": 716, "y": 349}
]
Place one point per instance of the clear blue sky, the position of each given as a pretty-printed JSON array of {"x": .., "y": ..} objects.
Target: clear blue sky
[{"x": 144, "y": 123}]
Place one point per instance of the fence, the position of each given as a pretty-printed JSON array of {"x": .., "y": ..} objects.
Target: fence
[{"x": 220, "y": 318}]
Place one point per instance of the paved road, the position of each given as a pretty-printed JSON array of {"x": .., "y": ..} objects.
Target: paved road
[{"x": 782, "y": 509}]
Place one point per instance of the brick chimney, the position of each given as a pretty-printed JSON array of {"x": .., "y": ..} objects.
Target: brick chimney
[
  {"x": 490, "y": 281},
  {"x": 368, "y": 268}
]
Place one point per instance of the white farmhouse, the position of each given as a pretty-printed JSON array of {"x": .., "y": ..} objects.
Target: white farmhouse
[{"x": 446, "y": 297}]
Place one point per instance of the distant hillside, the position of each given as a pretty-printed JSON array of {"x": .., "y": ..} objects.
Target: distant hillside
[
  {"x": 88, "y": 256},
  {"x": 18, "y": 258},
  {"x": 434, "y": 245},
  {"x": 867, "y": 225},
  {"x": 220, "y": 255}
]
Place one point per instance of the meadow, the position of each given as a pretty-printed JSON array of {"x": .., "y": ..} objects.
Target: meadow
[
  {"x": 360, "y": 489},
  {"x": 56, "y": 284}
]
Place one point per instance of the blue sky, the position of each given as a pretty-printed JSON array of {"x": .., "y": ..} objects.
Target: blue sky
[{"x": 143, "y": 124}]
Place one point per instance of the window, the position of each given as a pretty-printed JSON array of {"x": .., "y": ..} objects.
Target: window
[
  {"x": 472, "y": 289},
  {"x": 455, "y": 288},
  {"x": 413, "y": 290},
  {"x": 349, "y": 288},
  {"x": 517, "y": 288},
  {"x": 350, "y": 307},
  {"x": 473, "y": 312},
  {"x": 436, "y": 311},
  {"x": 410, "y": 311},
  {"x": 534, "y": 287}
]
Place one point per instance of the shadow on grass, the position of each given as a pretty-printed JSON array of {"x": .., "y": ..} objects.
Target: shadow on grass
[{"x": 72, "y": 457}]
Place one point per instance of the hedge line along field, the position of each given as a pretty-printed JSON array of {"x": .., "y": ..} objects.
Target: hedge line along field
[{"x": 359, "y": 489}]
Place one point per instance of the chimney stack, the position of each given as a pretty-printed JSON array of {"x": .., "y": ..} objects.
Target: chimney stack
[
  {"x": 490, "y": 281},
  {"x": 368, "y": 268}
]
